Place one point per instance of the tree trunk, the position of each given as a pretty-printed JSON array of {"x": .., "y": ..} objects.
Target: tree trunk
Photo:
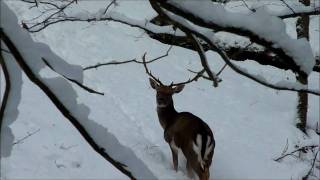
[{"x": 302, "y": 28}]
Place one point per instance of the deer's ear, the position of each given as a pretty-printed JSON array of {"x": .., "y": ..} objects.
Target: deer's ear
[
  {"x": 178, "y": 88},
  {"x": 153, "y": 83}
]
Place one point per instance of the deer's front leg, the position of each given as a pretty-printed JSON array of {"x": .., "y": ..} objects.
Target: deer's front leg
[
  {"x": 174, "y": 150},
  {"x": 168, "y": 136}
]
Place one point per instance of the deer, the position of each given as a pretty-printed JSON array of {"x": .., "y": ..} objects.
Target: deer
[{"x": 183, "y": 130}]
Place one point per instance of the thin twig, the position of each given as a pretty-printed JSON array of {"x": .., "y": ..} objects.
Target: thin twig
[
  {"x": 245, "y": 3},
  {"x": 111, "y": 3},
  {"x": 284, "y": 2},
  {"x": 25, "y": 137},
  {"x": 114, "y": 62},
  {"x": 312, "y": 166},
  {"x": 234, "y": 55},
  {"x": 72, "y": 80},
  {"x": 304, "y": 148},
  {"x": 224, "y": 66},
  {"x": 203, "y": 59}
]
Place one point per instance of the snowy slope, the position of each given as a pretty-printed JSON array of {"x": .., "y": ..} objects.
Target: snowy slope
[{"x": 251, "y": 123}]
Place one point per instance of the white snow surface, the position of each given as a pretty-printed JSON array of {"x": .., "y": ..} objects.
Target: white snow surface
[{"x": 251, "y": 123}]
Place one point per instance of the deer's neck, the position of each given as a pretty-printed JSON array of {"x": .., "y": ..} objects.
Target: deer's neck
[{"x": 166, "y": 115}]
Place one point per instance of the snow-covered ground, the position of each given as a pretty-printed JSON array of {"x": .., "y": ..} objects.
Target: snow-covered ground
[{"x": 251, "y": 123}]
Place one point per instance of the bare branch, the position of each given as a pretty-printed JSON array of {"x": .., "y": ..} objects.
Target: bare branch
[
  {"x": 221, "y": 70},
  {"x": 27, "y": 136},
  {"x": 42, "y": 2},
  {"x": 202, "y": 75},
  {"x": 303, "y": 148},
  {"x": 72, "y": 80},
  {"x": 114, "y": 62},
  {"x": 284, "y": 2},
  {"x": 292, "y": 15},
  {"x": 312, "y": 166},
  {"x": 245, "y": 3},
  {"x": 204, "y": 61},
  {"x": 109, "y": 5}
]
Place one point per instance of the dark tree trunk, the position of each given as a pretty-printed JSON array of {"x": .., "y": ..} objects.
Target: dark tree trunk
[{"x": 302, "y": 107}]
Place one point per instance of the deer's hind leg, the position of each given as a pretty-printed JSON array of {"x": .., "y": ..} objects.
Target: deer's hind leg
[{"x": 189, "y": 169}]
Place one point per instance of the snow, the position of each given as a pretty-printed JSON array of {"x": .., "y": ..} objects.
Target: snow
[{"x": 250, "y": 122}]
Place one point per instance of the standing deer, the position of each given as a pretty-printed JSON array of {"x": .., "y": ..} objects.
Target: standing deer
[{"x": 183, "y": 130}]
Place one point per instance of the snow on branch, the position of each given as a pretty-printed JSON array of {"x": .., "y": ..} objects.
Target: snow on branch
[
  {"x": 184, "y": 25},
  {"x": 165, "y": 34},
  {"x": 273, "y": 36}
]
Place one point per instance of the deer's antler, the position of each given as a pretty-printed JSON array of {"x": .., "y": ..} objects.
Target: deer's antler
[
  {"x": 195, "y": 78},
  {"x": 148, "y": 71}
]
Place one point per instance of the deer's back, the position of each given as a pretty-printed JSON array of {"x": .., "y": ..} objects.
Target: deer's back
[{"x": 187, "y": 126}]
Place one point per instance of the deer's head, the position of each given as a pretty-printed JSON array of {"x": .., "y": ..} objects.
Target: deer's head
[{"x": 164, "y": 93}]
